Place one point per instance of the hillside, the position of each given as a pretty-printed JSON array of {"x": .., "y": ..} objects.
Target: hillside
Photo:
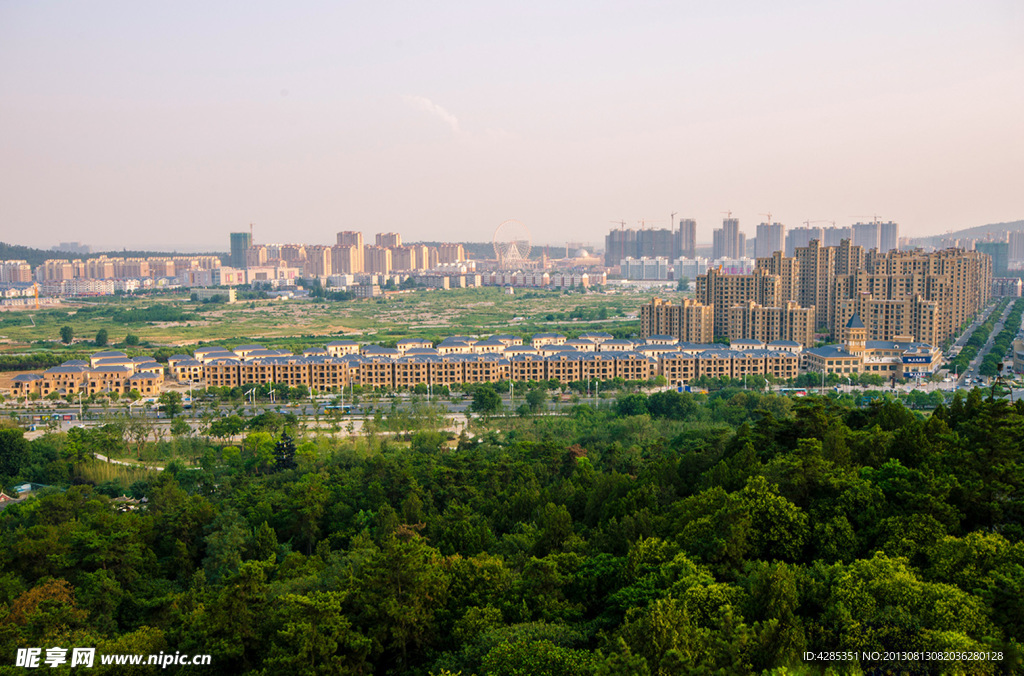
[{"x": 37, "y": 256}]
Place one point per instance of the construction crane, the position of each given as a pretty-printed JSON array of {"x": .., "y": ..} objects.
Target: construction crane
[
  {"x": 769, "y": 215},
  {"x": 672, "y": 220},
  {"x": 728, "y": 214}
]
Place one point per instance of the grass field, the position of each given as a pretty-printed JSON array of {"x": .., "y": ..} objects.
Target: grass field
[{"x": 297, "y": 324}]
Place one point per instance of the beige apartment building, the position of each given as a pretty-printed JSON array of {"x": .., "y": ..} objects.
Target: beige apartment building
[
  {"x": 346, "y": 259},
  {"x": 925, "y": 296},
  {"x": 724, "y": 291},
  {"x": 389, "y": 239},
  {"x": 378, "y": 260},
  {"x": 788, "y": 272},
  {"x": 15, "y": 271},
  {"x": 354, "y": 239},
  {"x": 767, "y": 324},
  {"x": 688, "y": 322},
  {"x": 319, "y": 261},
  {"x": 817, "y": 268},
  {"x": 451, "y": 253}
]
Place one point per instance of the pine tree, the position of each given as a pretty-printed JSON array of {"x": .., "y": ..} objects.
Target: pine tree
[{"x": 284, "y": 453}]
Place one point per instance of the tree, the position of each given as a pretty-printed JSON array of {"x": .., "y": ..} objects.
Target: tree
[
  {"x": 101, "y": 338},
  {"x": 13, "y": 452},
  {"x": 485, "y": 400},
  {"x": 180, "y": 427},
  {"x": 535, "y": 399},
  {"x": 284, "y": 453},
  {"x": 225, "y": 428},
  {"x": 171, "y": 403},
  {"x": 131, "y": 339},
  {"x": 66, "y": 334}
]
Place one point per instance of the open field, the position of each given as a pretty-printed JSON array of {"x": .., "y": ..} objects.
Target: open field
[{"x": 173, "y": 321}]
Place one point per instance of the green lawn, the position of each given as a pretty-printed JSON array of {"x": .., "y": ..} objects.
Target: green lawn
[{"x": 301, "y": 323}]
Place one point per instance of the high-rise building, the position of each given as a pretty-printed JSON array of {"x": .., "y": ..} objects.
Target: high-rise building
[
  {"x": 788, "y": 270},
  {"x": 690, "y": 322},
  {"x": 389, "y": 239},
  {"x": 353, "y": 238},
  {"x": 798, "y": 237},
  {"x": 1016, "y": 241},
  {"x": 888, "y": 236},
  {"x": 346, "y": 259},
  {"x": 256, "y": 256},
  {"x": 832, "y": 236},
  {"x": 866, "y": 235},
  {"x": 294, "y": 254},
  {"x": 849, "y": 258},
  {"x": 619, "y": 244},
  {"x": 686, "y": 246},
  {"x": 240, "y": 243},
  {"x": 405, "y": 258},
  {"x": 655, "y": 243},
  {"x": 450, "y": 253},
  {"x": 378, "y": 260},
  {"x": 927, "y": 296},
  {"x": 771, "y": 237},
  {"x": 727, "y": 241},
  {"x": 1000, "y": 253},
  {"x": 750, "y": 321},
  {"x": 817, "y": 267},
  {"x": 318, "y": 261},
  {"x": 724, "y": 291},
  {"x": 629, "y": 243},
  {"x": 15, "y": 271}
]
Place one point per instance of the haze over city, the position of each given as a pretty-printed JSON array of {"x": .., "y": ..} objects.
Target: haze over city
[{"x": 126, "y": 125}]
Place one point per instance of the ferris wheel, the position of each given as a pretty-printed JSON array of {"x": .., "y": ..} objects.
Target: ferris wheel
[{"x": 511, "y": 244}]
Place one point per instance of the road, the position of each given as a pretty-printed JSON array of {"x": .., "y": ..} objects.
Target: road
[{"x": 971, "y": 373}]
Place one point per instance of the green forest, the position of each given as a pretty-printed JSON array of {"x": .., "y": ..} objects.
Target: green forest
[{"x": 670, "y": 533}]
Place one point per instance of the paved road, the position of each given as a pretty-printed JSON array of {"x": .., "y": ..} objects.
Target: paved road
[{"x": 972, "y": 369}]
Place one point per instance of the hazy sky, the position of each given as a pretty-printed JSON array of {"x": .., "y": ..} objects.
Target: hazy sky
[{"x": 137, "y": 124}]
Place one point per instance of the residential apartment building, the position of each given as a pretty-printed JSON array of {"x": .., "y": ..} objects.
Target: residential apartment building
[
  {"x": 801, "y": 237},
  {"x": 319, "y": 261},
  {"x": 771, "y": 237},
  {"x": 728, "y": 241},
  {"x": 790, "y": 322},
  {"x": 354, "y": 239},
  {"x": 346, "y": 259},
  {"x": 689, "y": 321},
  {"x": 378, "y": 260},
  {"x": 817, "y": 267},
  {"x": 450, "y": 253},
  {"x": 725, "y": 291},
  {"x": 388, "y": 239},
  {"x": 15, "y": 272},
  {"x": 788, "y": 271},
  {"x": 686, "y": 239}
]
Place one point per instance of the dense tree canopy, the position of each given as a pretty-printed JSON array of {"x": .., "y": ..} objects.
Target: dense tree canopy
[{"x": 665, "y": 534}]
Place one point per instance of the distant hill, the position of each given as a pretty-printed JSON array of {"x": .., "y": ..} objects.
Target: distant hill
[
  {"x": 977, "y": 232},
  {"x": 37, "y": 256}
]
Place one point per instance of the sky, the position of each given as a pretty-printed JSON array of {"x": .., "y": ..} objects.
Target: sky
[{"x": 169, "y": 125}]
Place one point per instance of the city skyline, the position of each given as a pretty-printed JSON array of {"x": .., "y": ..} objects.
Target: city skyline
[{"x": 127, "y": 126}]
